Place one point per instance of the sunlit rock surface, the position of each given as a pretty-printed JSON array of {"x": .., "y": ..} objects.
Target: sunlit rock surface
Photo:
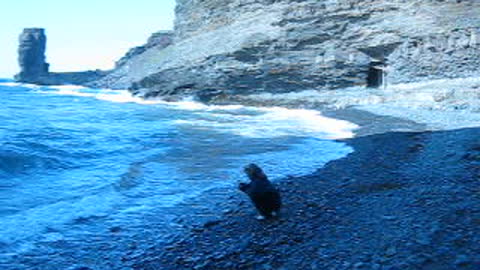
[
  {"x": 160, "y": 40},
  {"x": 253, "y": 46}
]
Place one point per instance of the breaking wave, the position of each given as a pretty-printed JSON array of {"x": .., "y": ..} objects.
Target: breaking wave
[{"x": 76, "y": 161}]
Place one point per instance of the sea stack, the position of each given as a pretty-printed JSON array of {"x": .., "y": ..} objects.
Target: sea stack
[
  {"x": 31, "y": 55},
  {"x": 34, "y": 68}
]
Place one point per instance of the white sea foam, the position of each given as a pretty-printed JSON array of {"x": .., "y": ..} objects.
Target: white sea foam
[
  {"x": 191, "y": 105},
  {"x": 117, "y": 96},
  {"x": 276, "y": 122},
  {"x": 253, "y": 122},
  {"x": 16, "y": 84},
  {"x": 311, "y": 122},
  {"x": 166, "y": 181},
  {"x": 70, "y": 92},
  {"x": 33, "y": 221},
  {"x": 67, "y": 87},
  {"x": 123, "y": 96}
]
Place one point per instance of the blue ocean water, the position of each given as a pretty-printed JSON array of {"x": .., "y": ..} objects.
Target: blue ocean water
[{"x": 76, "y": 162}]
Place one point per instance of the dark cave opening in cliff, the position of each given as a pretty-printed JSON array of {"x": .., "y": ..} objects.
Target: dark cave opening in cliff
[{"x": 375, "y": 77}]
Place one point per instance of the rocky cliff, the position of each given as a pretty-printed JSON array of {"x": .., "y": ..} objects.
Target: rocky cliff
[
  {"x": 35, "y": 69},
  {"x": 160, "y": 40},
  {"x": 245, "y": 46}
]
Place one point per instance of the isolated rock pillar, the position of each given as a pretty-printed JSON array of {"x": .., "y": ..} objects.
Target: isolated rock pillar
[{"x": 31, "y": 55}]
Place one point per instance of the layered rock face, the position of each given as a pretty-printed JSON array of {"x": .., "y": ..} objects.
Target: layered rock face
[
  {"x": 160, "y": 40},
  {"x": 247, "y": 46},
  {"x": 31, "y": 54},
  {"x": 35, "y": 69}
]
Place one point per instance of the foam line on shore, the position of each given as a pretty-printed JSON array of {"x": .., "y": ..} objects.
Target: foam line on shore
[
  {"x": 277, "y": 122},
  {"x": 116, "y": 96},
  {"x": 262, "y": 122},
  {"x": 17, "y": 84}
]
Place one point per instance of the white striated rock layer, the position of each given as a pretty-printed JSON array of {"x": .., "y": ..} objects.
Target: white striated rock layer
[{"x": 250, "y": 46}]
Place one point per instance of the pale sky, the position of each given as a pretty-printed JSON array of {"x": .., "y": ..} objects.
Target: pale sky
[{"x": 81, "y": 34}]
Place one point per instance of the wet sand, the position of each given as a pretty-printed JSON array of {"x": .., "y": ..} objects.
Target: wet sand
[{"x": 405, "y": 199}]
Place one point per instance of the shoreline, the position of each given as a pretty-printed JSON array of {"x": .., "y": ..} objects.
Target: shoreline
[
  {"x": 387, "y": 213},
  {"x": 320, "y": 212}
]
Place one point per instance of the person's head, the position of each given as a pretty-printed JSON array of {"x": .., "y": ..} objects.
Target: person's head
[{"x": 254, "y": 172}]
